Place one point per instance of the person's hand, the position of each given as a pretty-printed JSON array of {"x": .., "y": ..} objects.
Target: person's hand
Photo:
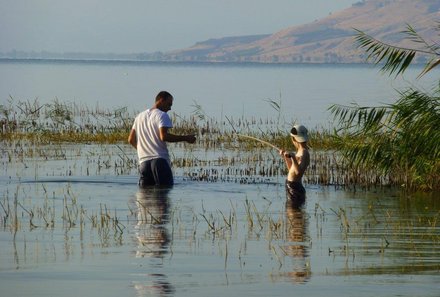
[
  {"x": 191, "y": 138},
  {"x": 285, "y": 154}
]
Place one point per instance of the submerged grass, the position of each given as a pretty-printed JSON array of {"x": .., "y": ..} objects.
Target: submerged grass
[
  {"x": 59, "y": 210},
  {"x": 370, "y": 231}
]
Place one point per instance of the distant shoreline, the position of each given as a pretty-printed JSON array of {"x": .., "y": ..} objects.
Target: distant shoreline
[
  {"x": 168, "y": 62},
  {"x": 135, "y": 62}
]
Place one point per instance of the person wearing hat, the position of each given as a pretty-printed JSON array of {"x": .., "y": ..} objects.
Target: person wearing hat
[{"x": 297, "y": 164}]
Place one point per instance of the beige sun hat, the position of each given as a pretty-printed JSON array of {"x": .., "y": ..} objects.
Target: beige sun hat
[{"x": 299, "y": 132}]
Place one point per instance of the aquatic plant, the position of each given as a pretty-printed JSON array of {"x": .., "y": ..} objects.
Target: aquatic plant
[
  {"x": 401, "y": 140},
  {"x": 50, "y": 213},
  {"x": 220, "y": 154}
]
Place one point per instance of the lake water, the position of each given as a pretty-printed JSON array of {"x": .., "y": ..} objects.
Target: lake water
[
  {"x": 74, "y": 223},
  {"x": 303, "y": 91}
]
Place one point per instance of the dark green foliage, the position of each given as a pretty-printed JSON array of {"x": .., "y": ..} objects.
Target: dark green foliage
[{"x": 401, "y": 140}]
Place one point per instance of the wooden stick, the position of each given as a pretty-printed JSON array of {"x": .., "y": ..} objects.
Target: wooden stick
[{"x": 259, "y": 140}]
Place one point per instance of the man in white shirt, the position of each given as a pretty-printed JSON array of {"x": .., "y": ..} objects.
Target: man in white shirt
[{"x": 149, "y": 135}]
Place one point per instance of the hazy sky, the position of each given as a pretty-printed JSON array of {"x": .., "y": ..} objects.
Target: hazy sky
[{"x": 134, "y": 26}]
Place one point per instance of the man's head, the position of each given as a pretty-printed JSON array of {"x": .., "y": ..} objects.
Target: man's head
[
  {"x": 299, "y": 133},
  {"x": 164, "y": 101}
]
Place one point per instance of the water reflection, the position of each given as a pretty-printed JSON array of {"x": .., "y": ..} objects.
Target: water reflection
[
  {"x": 153, "y": 238},
  {"x": 297, "y": 248}
]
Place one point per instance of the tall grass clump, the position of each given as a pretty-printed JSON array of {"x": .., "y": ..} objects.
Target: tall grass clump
[
  {"x": 62, "y": 122},
  {"x": 400, "y": 140}
]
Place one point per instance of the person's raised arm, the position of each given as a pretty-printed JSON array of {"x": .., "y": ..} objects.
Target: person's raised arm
[{"x": 169, "y": 137}]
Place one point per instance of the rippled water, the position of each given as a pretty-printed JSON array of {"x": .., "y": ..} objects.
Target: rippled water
[{"x": 78, "y": 225}]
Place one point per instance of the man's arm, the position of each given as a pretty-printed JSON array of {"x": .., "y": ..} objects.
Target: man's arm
[
  {"x": 169, "y": 137},
  {"x": 132, "y": 138}
]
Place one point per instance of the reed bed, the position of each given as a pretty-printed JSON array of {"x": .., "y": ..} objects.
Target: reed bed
[{"x": 30, "y": 130}]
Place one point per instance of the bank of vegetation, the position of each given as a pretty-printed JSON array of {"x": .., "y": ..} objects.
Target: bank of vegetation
[{"x": 400, "y": 139}]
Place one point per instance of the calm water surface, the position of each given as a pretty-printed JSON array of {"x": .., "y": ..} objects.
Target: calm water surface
[
  {"x": 74, "y": 223},
  {"x": 77, "y": 225},
  {"x": 304, "y": 92}
]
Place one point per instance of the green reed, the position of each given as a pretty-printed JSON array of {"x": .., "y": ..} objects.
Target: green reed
[{"x": 30, "y": 130}]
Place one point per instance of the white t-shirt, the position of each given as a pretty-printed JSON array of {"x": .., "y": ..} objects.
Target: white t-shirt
[{"x": 149, "y": 145}]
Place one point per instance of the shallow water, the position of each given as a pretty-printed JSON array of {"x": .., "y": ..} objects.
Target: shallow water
[{"x": 71, "y": 229}]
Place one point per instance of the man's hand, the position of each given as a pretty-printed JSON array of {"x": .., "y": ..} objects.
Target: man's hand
[{"x": 190, "y": 138}]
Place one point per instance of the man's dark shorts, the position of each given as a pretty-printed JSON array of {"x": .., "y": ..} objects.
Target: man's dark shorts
[
  {"x": 155, "y": 172},
  {"x": 296, "y": 193}
]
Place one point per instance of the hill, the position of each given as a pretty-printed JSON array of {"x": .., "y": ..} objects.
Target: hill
[{"x": 328, "y": 40}]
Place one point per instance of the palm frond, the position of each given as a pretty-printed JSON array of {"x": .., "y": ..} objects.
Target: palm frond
[
  {"x": 429, "y": 48},
  {"x": 395, "y": 59},
  {"x": 431, "y": 65},
  {"x": 355, "y": 116}
]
